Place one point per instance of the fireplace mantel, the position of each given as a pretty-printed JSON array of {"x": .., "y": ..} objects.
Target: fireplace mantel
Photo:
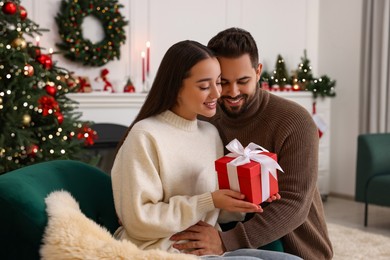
[{"x": 118, "y": 108}]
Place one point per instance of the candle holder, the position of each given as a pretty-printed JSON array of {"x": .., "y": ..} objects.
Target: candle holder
[{"x": 146, "y": 86}]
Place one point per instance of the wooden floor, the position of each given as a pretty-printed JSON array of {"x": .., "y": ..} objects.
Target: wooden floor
[{"x": 350, "y": 213}]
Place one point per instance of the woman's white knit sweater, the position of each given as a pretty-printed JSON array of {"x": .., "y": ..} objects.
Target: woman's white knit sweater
[{"x": 162, "y": 179}]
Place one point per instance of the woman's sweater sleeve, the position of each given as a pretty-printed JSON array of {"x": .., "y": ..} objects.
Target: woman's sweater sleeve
[{"x": 139, "y": 193}]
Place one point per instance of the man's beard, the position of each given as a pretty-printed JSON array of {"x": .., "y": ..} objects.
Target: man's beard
[{"x": 233, "y": 111}]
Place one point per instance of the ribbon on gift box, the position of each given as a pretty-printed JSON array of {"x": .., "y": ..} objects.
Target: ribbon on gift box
[{"x": 245, "y": 155}]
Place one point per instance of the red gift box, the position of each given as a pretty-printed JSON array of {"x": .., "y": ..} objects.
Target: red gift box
[{"x": 256, "y": 184}]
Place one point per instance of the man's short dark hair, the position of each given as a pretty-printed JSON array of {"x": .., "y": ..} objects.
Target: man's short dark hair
[{"x": 235, "y": 42}]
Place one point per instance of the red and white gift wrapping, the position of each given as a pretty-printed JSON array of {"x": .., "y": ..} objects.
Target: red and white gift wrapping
[{"x": 251, "y": 170}]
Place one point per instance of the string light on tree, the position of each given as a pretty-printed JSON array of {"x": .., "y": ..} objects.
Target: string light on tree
[
  {"x": 37, "y": 39},
  {"x": 28, "y": 70},
  {"x": 26, "y": 120}
]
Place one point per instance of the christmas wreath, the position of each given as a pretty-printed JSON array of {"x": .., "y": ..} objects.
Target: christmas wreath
[{"x": 76, "y": 48}]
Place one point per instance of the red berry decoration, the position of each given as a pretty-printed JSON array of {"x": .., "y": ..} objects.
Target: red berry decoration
[
  {"x": 87, "y": 133},
  {"x": 51, "y": 90},
  {"x": 9, "y": 8},
  {"x": 22, "y": 12},
  {"x": 45, "y": 60}
]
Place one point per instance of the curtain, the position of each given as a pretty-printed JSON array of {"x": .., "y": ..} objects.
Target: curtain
[{"x": 375, "y": 71}]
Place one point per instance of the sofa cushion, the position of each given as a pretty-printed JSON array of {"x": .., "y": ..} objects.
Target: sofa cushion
[{"x": 378, "y": 191}]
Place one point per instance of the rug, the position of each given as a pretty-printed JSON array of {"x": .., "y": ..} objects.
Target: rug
[{"x": 350, "y": 243}]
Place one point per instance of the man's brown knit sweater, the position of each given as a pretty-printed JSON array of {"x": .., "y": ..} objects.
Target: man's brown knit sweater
[{"x": 287, "y": 129}]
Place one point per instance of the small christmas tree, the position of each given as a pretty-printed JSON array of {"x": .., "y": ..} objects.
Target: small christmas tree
[
  {"x": 280, "y": 75},
  {"x": 265, "y": 80},
  {"x": 304, "y": 74},
  {"x": 37, "y": 120}
]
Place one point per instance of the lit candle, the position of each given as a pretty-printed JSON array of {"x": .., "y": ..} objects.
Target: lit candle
[
  {"x": 147, "y": 58},
  {"x": 50, "y": 51},
  {"x": 37, "y": 40},
  {"x": 143, "y": 66}
]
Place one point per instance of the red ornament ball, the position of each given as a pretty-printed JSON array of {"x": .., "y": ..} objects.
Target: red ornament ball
[
  {"x": 22, "y": 12},
  {"x": 9, "y": 8},
  {"x": 60, "y": 117},
  {"x": 45, "y": 61},
  {"x": 51, "y": 90}
]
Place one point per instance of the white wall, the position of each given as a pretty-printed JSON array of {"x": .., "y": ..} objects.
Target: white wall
[
  {"x": 280, "y": 27},
  {"x": 339, "y": 56}
]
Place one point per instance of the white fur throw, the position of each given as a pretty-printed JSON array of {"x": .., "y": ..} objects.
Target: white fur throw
[{"x": 71, "y": 235}]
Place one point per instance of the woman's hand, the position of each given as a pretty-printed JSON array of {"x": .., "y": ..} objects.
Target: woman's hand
[{"x": 233, "y": 201}]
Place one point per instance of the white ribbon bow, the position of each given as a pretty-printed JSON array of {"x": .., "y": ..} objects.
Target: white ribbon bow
[{"x": 245, "y": 155}]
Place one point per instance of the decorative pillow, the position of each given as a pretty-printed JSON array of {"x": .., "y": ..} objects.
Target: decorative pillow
[{"x": 69, "y": 234}]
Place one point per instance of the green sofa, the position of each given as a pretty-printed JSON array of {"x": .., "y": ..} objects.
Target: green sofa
[
  {"x": 22, "y": 193},
  {"x": 373, "y": 170},
  {"x": 23, "y": 216}
]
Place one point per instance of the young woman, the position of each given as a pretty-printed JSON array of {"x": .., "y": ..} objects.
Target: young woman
[{"x": 163, "y": 176}]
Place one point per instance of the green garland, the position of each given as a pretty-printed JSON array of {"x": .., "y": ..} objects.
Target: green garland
[
  {"x": 322, "y": 86},
  {"x": 77, "y": 48}
]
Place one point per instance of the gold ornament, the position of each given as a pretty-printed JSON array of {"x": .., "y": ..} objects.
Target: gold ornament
[
  {"x": 26, "y": 119},
  {"x": 19, "y": 43},
  {"x": 28, "y": 70}
]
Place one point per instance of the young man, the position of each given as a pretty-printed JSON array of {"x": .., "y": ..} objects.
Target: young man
[{"x": 253, "y": 115}]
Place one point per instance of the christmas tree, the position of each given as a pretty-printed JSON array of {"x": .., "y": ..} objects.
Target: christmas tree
[
  {"x": 280, "y": 75},
  {"x": 38, "y": 122},
  {"x": 304, "y": 74}
]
